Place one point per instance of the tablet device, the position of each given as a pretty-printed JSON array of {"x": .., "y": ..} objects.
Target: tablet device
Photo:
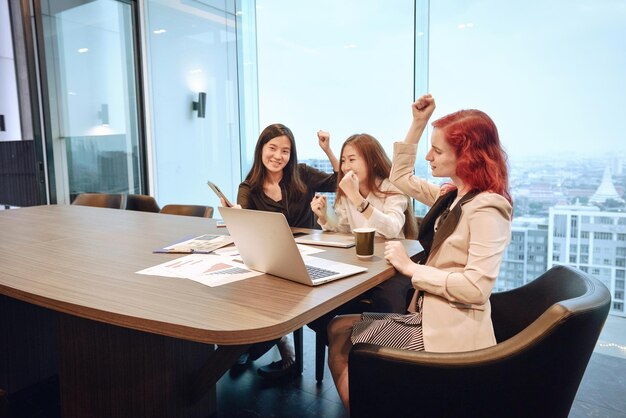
[{"x": 219, "y": 193}]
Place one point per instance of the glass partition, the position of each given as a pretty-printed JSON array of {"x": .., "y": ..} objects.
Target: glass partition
[{"x": 92, "y": 84}]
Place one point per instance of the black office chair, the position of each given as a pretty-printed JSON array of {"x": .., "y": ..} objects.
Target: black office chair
[
  {"x": 100, "y": 200},
  {"x": 188, "y": 210},
  {"x": 141, "y": 202},
  {"x": 546, "y": 331}
]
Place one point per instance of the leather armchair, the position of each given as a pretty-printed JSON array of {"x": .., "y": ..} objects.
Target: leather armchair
[{"x": 546, "y": 332}]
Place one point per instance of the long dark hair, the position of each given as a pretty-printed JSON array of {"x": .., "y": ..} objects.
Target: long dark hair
[
  {"x": 378, "y": 168},
  {"x": 258, "y": 173}
]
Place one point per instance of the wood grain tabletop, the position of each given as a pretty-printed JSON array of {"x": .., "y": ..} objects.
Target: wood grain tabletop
[{"x": 83, "y": 261}]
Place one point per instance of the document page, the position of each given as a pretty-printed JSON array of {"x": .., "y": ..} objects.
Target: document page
[
  {"x": 208, "y": 269},
  {"x": 220, "y": 267}
]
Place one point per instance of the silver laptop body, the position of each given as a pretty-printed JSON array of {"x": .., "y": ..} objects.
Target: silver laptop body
[
  {"x": 266, "y": 244},
  {"x": 327, "y": 239}
]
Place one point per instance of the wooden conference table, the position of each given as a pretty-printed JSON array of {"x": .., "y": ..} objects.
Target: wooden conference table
[{"x": 125, "y": 344}]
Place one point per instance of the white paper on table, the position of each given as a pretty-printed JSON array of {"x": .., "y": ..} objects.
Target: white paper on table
[
  {"x": 233, "y": 252},
  {"x": 208, "y": 269},
  {"x": 203, "y": 244}
]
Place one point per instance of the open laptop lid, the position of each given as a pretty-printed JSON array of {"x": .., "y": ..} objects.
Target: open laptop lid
[{"x": 265, "y": 242}]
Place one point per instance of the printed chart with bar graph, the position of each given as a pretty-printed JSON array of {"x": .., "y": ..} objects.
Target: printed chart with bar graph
[{"x": 208, "y": 269}]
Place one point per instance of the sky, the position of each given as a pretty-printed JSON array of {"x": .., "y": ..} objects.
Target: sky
[{"x": 551, "y": 74}]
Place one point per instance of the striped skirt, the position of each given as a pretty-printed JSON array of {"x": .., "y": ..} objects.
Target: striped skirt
[{"x": 391, "y": 330}]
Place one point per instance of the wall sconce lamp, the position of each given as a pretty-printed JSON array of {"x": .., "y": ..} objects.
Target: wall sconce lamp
[
  {"x": 3, "y": 127},
  {"x": 103, "y": 114},
  {"x": 200, "y": 105}
]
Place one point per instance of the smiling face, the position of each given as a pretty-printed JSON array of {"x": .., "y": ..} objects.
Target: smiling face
[
  {"x": 276, "y": 153},
  {"x": 351, "y": 159},
  {"x": 441, "y": 156}
]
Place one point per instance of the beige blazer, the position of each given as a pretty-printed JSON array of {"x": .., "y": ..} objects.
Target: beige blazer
[{"x": 460, "y": 272}]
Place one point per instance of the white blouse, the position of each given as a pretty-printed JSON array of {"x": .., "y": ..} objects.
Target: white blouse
[{"x": 388, "y": 215}]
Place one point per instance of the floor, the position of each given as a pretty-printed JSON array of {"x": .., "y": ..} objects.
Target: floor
[
  {"x": 602, "y": 393},
  {"x": 247, "y": 395}
]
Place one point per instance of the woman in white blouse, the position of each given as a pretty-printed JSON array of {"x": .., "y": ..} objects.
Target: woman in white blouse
[{"x": 365, "y": 196}]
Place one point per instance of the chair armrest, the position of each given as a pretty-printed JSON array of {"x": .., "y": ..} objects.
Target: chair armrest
[
  {"x": 530, "y": 374},
  {"x": 402, "y": 383}
]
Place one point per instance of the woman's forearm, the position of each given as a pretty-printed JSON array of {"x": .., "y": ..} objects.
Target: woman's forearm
[
  {"x": 415, "y": 132},
  {"x": 333, "y": 159}
]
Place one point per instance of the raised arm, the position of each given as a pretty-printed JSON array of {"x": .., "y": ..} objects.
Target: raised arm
[
  {"x": 404, "y": 154},
  {"x": 422, "y": 110},
  {"x": 324, "y": 141}
]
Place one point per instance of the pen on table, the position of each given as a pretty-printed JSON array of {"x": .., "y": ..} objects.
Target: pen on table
[{"x": 179, "y": 251}]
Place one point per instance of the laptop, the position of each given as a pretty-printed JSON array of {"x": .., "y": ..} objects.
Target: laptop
[
  {"x": 326, "y": 239},
  {"x": 266, "y": 244}
]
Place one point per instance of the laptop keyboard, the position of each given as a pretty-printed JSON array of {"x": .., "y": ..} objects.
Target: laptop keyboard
[{"x": 319, "y": 273}]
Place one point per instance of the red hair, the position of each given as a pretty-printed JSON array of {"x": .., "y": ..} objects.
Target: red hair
[{"x": 481, "y": 161}]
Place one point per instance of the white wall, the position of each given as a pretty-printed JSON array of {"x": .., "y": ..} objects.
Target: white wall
[{"x": 192, "y": 51}]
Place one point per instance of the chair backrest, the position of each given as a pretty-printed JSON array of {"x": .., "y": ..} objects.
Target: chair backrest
[
  {"x": 551, "y": 325},
  {"x": 188, "y": 210},
  {"x": 141, "y": 202},
  {"x": 101, "y": 200},
  {"x": 514, "y": 310},
  {"x": 546, "y": 332}
]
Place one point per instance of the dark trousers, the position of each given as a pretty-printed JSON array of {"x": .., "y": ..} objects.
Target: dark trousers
[{"x": 256, "y": 350}]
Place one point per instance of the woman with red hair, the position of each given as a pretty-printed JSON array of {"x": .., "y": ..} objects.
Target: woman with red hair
[{"x": 464, "y": 235}]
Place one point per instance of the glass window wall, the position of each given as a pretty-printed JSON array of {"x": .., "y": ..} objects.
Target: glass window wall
[
  {"x": 193, "y": 96},
  {"x": 342, "y": 66},
  {"x": 552, "y": 76}
]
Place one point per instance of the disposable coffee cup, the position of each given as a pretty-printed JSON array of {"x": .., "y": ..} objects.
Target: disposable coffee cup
[{"x": 364, "y": 239}]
